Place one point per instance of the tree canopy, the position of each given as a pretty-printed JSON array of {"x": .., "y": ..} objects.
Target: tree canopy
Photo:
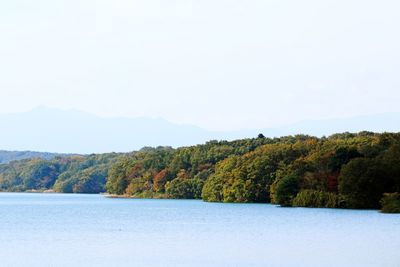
[{"x": 344, "y": 170}]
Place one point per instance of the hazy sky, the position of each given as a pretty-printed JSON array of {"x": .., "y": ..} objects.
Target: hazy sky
[{"x": 216, "y": 64}]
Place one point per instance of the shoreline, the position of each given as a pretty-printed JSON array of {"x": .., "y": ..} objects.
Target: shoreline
[{"x": 107, "y": 195}]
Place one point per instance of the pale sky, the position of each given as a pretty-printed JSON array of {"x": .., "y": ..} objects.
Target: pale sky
[{"x": 220, "y": 65}]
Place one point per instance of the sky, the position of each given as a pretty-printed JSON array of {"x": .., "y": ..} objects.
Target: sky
[{"x": 217, "y": 64}]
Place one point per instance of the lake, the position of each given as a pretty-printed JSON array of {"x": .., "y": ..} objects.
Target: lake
[{"x": 92, "y": 230}]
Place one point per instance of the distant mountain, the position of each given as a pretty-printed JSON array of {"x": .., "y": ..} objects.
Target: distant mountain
[
  {"x": 47, "y": 129},
  {"x": 387, "y": 122},
  {"x": 53, "y": 130},
  {"x": 7, "y": 156}
]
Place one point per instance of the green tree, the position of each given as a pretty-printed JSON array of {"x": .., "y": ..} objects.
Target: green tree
[
  {"x": 316, "y": 199},
  {"x": 362, "y": 183},
  {"x": 391, "y": 203},
  {"x": 284, "y": 190},
  {"x": 184, "y": 188}
]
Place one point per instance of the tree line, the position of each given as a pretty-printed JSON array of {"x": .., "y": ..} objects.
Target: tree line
[{"x": 348, "y": 170}]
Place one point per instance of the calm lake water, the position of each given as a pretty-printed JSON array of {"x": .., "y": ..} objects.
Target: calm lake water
[{"x": 91, "y": 230}]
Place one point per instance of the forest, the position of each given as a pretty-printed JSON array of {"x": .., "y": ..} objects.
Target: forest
[{"x": 347, "y": 170}]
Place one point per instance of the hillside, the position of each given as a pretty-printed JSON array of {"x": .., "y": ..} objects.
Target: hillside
[{"x": 341, "y": 171}]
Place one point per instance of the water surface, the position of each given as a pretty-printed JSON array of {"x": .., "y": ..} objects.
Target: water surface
[{"x": 91, "y": 230}]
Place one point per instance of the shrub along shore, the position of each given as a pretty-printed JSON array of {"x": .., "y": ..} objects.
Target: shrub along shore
[{"x": 360, "y": 171}]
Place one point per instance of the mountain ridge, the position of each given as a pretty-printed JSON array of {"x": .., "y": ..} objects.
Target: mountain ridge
[
  {"x": 71, "y": 131},
  {"x": 8, "y": 156}
]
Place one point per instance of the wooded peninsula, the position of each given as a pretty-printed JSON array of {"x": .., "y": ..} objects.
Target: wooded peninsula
[{"x": 347, "y": 170}]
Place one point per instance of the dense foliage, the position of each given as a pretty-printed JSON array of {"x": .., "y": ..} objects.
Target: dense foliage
[
  {"x": 169, "y": 172},
  {"x": 72, "y": 174},
  {"x": 343, "y": 170},
  {"x": 391, "y": 203}
]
